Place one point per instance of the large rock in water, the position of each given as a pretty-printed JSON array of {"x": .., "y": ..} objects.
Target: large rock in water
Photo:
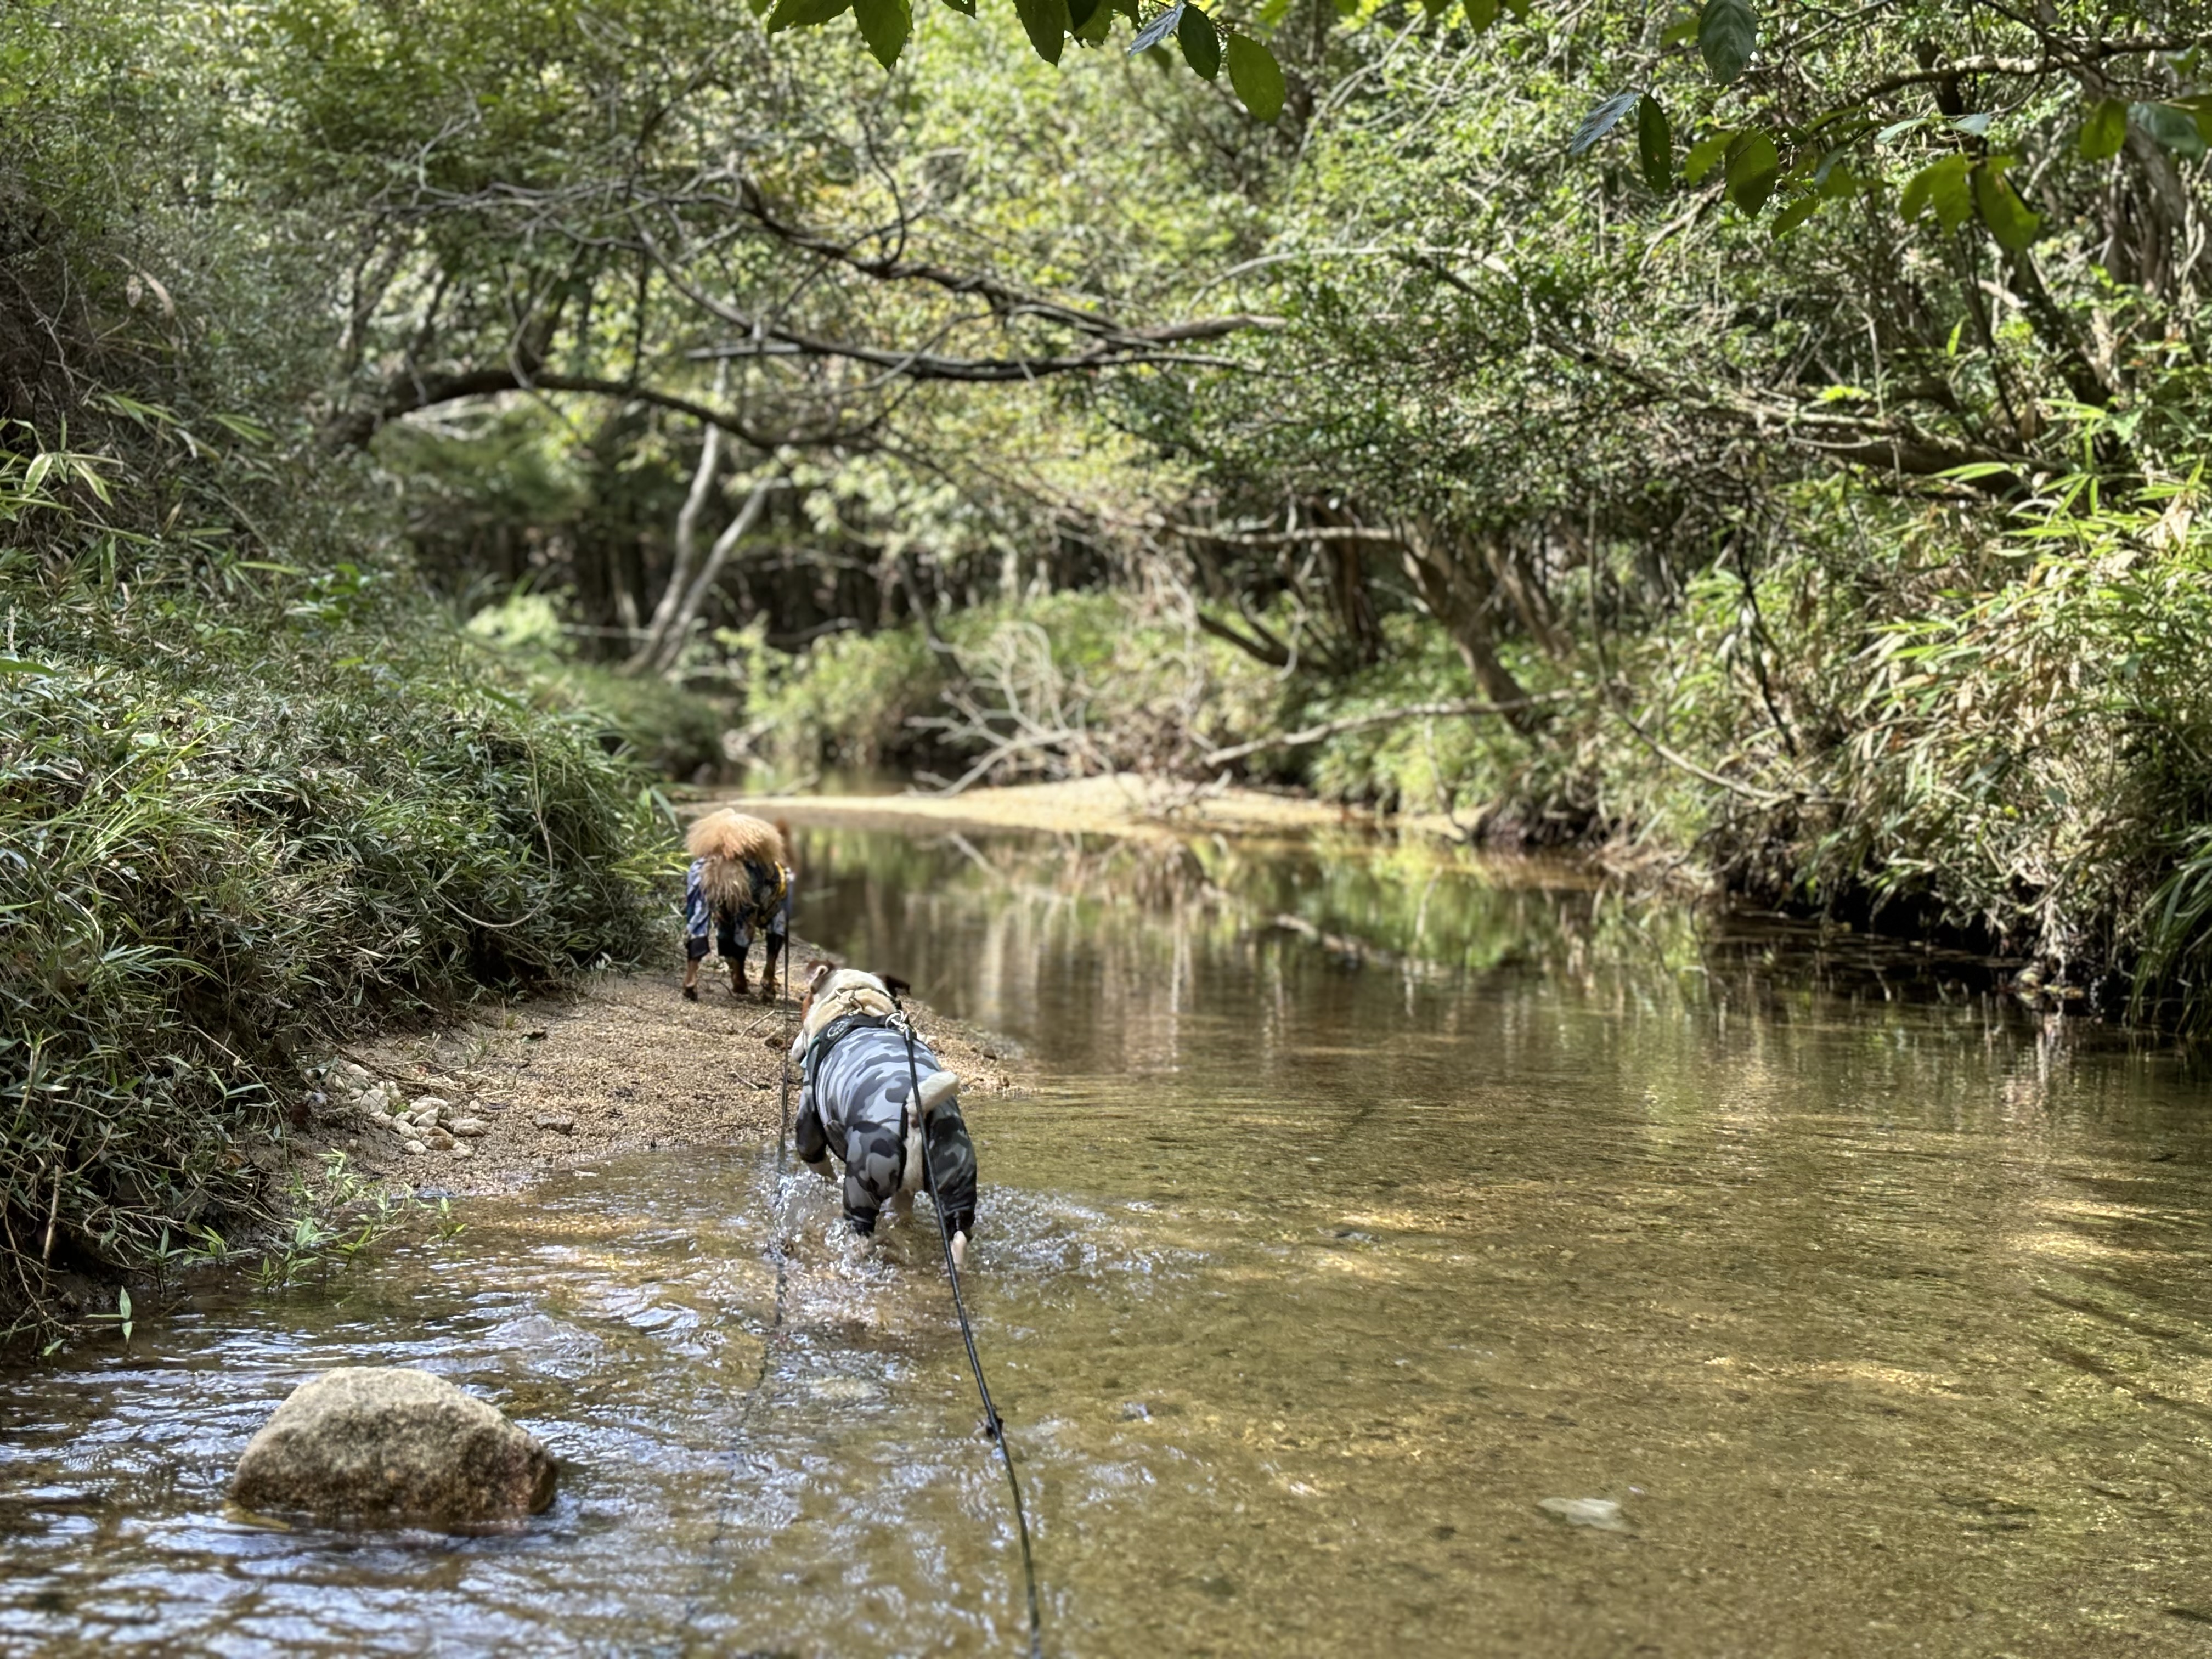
[{"x": 382, "y": 1443}]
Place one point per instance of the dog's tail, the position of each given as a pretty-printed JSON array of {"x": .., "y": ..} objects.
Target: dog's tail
[{"x": 936, "y": 1089}]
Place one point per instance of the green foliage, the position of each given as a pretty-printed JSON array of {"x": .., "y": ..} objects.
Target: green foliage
[
  {"x": 1728, "y": 34},
  {"x": 256, "y": 791},
  {"x": 847, "y": 699},
  {"x": 666, "y": 728},
  {"x": 330, "y": 1223},
  {"x": 1094, "y": 681},
  {"x": 1256, "y": 76},
  {"x": 219, "y": 860},
  {"x": 1654, "y": 144}
]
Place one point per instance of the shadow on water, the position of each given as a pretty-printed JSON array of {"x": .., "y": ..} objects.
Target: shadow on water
[{"x": 1366, "y": 1200}]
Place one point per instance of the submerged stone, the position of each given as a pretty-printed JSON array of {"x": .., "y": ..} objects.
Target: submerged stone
[
  {"x": 387, "y": 1444},
  {"x": 1602, "y": 1513}
]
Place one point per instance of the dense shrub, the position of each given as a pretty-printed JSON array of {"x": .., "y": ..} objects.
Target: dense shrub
[{"x": 213, "y": 867}]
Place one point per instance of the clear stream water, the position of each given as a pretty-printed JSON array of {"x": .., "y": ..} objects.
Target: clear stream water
[{"x": 1880, "y": 1309}]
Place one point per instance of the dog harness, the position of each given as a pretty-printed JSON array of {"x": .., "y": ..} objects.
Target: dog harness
[
  {"x": 854, "y": 1100},
  {"x": 759, "y": 907}
]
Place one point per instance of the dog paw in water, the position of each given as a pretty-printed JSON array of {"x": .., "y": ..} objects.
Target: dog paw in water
[{"x": 690, "y": 993}]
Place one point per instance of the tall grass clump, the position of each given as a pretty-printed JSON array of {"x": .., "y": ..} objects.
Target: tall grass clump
[
  {"x": 215, "y": 865},
  {"x": 257, "y": 791}
]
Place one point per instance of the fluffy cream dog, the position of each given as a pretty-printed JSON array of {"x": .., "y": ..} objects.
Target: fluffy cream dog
[{"x": 739, "y": 883}]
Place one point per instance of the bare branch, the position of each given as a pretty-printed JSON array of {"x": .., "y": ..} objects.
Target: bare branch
[{"x": 2062, "y": 55}]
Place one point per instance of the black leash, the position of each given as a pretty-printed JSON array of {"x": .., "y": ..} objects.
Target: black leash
[
  {"x": 764, "y": 1383},
  {"x": 992, "y": 1421}
]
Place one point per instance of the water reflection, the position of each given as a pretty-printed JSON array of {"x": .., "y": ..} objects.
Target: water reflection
[{"x": 1327, "y": 1250}]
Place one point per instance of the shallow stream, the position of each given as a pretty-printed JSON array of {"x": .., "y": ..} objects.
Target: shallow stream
[{"x": 1321, "y": 1257}]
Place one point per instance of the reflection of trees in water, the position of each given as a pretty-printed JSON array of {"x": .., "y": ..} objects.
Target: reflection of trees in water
[{"x": 1104, "y": 943}]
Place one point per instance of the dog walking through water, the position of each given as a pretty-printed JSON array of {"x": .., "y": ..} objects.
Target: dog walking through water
[
  {"x": 740, "y": 878},
  {"x": 858, "y": 1099}
]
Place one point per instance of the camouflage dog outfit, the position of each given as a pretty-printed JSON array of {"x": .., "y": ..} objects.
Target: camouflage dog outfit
[{"x": 853, "y": 1102}]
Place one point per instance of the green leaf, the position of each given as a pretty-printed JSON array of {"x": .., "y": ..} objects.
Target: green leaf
[
  {"x": 241, "y": 426},
  {"x": 1046, "y": 24},
  {"x": 1157, "y": 30},
  {"x": 1256, "y": 76},
  {"x": 2169, "y": 128},
  {"x": 1793, "y": 214},
  {"x": 1684, "y": 27},
  {"x": 1941, "y": 186},
  {"x": 2199, "y": 106},
  {"x": 1728, "y": 33},
  {"x": 1093, "y": 30},
  {"x": 804, "y": 14},
  {"x": 965, "y": 7},
  {"x": 1201, "y": 46},
  {"x": 884, "y": 25},
  {"x": 1601, "y": 121},
  {"x": 1519, "y": 8},
  {"x": 90, "y": 475},
  {"x": 17, "y": 666},
  {"x": 1974, "y": 126},
  {"x": 1654, "y": 144},
  {"x": 2007, "y": 216},
  {"x": 1753, "y": 167},
  {"x": 1480, "y": 13},
  {"x": 1081, "y": 12},
  {"x": 1702, "y": 154}
]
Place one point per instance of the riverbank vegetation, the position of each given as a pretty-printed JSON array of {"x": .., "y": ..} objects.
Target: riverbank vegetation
[{"x": 1765, "y": 450}]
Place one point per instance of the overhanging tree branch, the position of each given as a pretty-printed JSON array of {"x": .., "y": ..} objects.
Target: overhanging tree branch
[{"x": 355, "y": 426}]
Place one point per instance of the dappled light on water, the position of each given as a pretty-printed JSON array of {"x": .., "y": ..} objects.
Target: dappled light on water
[{"x": 1396, "y": 1253}]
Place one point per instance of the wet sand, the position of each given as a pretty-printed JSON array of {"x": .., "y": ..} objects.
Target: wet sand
[{"x": 621, "y": 1059}]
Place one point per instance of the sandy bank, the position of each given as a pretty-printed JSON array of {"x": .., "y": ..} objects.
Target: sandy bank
[
  {"x": 1125, "y": 803},
  {"x": 620, "y": 1064}
]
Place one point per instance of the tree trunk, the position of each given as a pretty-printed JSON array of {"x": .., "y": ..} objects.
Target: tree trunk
[
  {"x": 653, "y": 647},
  {"x": 669, "y": 644},
  {"x": 1455, "y": 583}
]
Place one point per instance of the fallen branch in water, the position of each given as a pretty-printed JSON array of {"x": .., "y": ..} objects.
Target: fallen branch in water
[
  {"x": 1336, "y": 944},
  {"x": 1328, "y": 729},
  {"x": 1361, "y": 953}
]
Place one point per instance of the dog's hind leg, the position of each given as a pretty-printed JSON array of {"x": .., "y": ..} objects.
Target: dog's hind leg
[{"x": 733, "y": 939}]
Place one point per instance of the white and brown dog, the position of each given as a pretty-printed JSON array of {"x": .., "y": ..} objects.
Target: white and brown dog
[{"x": 856, "y": 1100}]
